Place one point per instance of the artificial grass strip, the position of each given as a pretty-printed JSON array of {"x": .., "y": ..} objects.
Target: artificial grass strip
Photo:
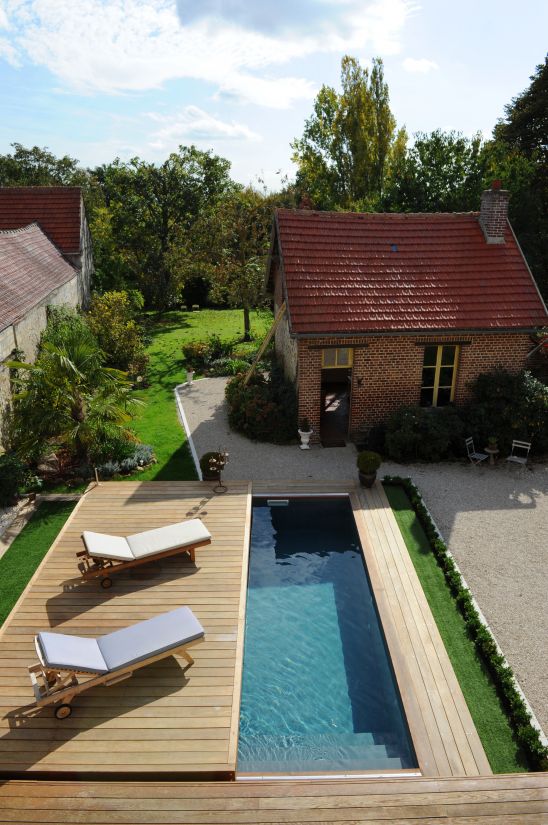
[
  {"x": 489, "y": 717},
  {"x": 27, "y": 550}
]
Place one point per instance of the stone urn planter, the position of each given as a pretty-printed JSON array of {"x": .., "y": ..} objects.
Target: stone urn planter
[
  {"x": 368, "y": 463},
  {"x": 190, "y": 375},
  {"x": 305, "y": 431}
]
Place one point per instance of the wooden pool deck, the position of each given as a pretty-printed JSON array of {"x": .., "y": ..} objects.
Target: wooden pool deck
[
  {"x": 166, "y": 723},
  {"x": 518, "y": 799}
]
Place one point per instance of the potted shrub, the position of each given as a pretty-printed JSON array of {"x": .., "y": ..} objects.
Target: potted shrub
[
  {"x": 211, "y": 465},
  {"x": 368, "y": 463},
  {"x": 305, "y": 431},
  {"x": 492, "y": 442},
  {"x": 190, "y": 374}
]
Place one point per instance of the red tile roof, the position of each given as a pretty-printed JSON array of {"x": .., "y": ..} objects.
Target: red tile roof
[
  {"x": 352, "y": 272},
  {"x": 30, "y": 268},
  {"x": 55, "y": 208}
]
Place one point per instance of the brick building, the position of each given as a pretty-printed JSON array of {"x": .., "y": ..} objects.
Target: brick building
[{"x": 392, "y": 309}]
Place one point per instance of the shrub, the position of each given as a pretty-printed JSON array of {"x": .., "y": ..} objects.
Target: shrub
[
  {"x": 427, "y": 434},
  {"x": 212, "y": 354},
  {"x": 265, "y": 409},
  {"x": 140, "y": 456},
  {"x": 13, "y": 476},
  {"x": 228, "y": 366},
  {"x": 368, "y": 462},
  {"x": 509, "y": 406},
  {"x": 111, "y": 319}
]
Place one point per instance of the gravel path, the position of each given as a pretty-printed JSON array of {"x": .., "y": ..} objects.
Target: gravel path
[{"x": 494, "y": 519}]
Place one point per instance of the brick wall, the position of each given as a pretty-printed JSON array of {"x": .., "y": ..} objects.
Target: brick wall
[
  {"x": 494, "y": 213},
  {"x": 387, "y": 371}
]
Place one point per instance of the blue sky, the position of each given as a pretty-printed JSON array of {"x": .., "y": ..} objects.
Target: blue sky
[{"x": 106, "y": 78}]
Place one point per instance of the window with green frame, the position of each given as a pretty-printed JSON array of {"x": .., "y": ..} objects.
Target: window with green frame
[{"x": 439, "y": 374}]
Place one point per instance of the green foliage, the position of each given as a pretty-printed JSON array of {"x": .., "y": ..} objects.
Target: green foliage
[
  {"x": 440, "y": 172},
  {"x": 500, "y": 672},
  {"x": 216, "y": 356},
  {"x": 346, "y": 150},
  {"x": 125, "y": 462},
  {"x": 509, "y": 406},
  {"x": 233, "y": 238},
  {"x": 265, "y": 409},
  {"x": 144, "y": 227},
  {"x": 68, "y": 400},
  {"x": 368, "y": 462},
  {"x": 304, "y": 425},
  {"x": 427, "y": 434},
  {"x": 39, "y": 167},
  {"x": 13, "y": 475},
  {"x": 111, "y": 318}
]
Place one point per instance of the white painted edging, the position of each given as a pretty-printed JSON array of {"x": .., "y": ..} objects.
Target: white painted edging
[
  {"x": 534, "y": 721},
  {"x": 184, "y": 423}
]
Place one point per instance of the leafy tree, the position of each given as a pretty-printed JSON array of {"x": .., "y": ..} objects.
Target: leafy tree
[
  {"x": 346, "y": 149},
  {"x": 440, "y": 172},
  {"x": 39, "y": 167},
  {"x": 233, "y": 237},
  {"x": 522, "y": 139},
  {"x": 149, "y": 207},
  {"x": 68, "y": 399}
]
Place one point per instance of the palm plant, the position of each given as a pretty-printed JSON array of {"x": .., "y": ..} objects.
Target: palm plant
[{"x": 68, "y": 399}]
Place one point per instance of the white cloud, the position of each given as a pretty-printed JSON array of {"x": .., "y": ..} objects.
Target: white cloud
[
  {"x": 195, "y": 125},
  {"x": 420, "y": 66},
  {"x": 121, "y": 46},
  {"x": 8, "y": 53}
]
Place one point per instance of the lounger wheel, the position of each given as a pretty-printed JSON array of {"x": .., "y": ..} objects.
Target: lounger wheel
[
  {"x": 63, "y": 711},
  {"x": 106, "y": 582}
]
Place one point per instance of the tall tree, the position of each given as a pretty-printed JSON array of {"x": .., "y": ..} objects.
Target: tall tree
[
  {"x": 233, "y": 237},
  {"x": 146, "y": 208},
  {"x": 521, "y": 144},
  {"x": 39, "y": 167},
  {"x": 346, "y": 148},
  {"x": 440, "y": 172}
]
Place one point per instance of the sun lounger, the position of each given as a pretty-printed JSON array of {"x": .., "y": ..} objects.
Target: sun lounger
[
  {"x": 108, "y": 659},
  {"x": 105, "y": 555}
]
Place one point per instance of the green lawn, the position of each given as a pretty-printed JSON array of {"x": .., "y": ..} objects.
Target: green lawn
[
  {"x": 157, "y": 422},
  {"x": 28, "y": 549},
  {"x": 488, "y": 715}
]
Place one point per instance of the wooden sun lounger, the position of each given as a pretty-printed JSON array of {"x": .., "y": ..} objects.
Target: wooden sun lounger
[
  {"x": 63, "y": 659},
  {"x": 105, "y": 555}
]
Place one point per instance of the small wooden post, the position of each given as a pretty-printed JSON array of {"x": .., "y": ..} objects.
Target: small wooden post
[{"x": 271, "y": 331}]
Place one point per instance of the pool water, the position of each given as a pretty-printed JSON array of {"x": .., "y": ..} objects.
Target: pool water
[{"x": 318, "y": 691}]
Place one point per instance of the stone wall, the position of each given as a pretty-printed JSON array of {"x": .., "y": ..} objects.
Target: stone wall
[
  {"x": 83, "y": 262},
  {"x": 387, "y": 370}
]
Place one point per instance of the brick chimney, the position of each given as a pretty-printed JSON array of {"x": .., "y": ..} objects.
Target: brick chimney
[{"x": 494, "y": 212}]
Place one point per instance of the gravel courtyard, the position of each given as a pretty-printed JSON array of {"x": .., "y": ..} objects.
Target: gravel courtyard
[{"x": 494, "y": 519}]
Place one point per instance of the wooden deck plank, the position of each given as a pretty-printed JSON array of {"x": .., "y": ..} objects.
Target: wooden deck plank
[{"x": 504, "y": 800}]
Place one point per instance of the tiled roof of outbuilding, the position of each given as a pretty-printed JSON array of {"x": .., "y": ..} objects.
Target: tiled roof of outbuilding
[
  {"x": 30, "y": 268},
  {"x": 55, "y": 208},
  {"x": 353, "y": 272}
]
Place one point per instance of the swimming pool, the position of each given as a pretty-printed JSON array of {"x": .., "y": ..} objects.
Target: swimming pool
[{"x": 318, "y": 690}]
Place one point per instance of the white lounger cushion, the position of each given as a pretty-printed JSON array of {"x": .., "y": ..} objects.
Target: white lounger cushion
[
  {"x": 167, "y": 538},
  {"x": 71, "y": 653},
  {"x": 149, "y": 543},
  {"x": 146, "y": 639},
  {"x": 123, "y": 647},
  {"x": 107, "y": 547}
]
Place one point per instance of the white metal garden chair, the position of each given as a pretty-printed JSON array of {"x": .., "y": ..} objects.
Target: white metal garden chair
[
  {"x": 520, "y": 452},
  {"x": 475, "y": 458}
]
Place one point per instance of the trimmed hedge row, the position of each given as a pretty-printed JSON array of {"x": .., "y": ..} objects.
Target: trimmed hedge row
[{"x": 520, "y": 719}]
